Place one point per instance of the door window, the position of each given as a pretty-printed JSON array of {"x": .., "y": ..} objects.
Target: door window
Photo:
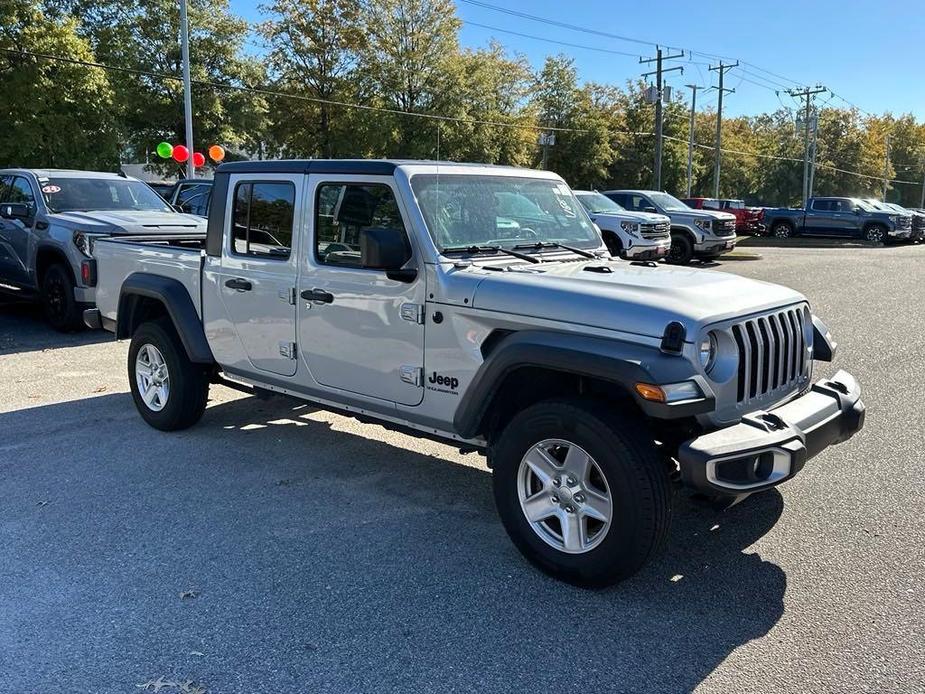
[
  {"x": 194, "y": 199},
  {"x": 822, "y": 205},
  {"x": 343, "y": 211},
  {"x": 262, "y": 219},
  {"x": 20, "y": 191},
  {"x": 5, "y": 182}
]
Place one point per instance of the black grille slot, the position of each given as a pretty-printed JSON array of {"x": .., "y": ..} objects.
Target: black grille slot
[
  {"x": 755, "y": 357},
  {"x": 743, "y": 357}
]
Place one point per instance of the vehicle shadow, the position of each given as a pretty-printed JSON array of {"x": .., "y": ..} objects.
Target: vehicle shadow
[
  {"x": 807, "y": 242},
  {"x": 23, "y": 329},
  {"x": 348, "y": 562}
]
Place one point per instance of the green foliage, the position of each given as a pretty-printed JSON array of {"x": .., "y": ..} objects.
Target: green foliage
[
  {"x": 56, "y": 114},
  {"x": 348, "y": 74}
]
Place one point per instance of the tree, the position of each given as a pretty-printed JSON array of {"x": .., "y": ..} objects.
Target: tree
[
  {"x": 143, "y": 35},
  {"x": 582, "y": 153},
  {"x": 489, "y": 87},
  {"x": 314, "y": 48},
  {"x": 406, "y": 66},
  {"x": 57, "y": 113}
]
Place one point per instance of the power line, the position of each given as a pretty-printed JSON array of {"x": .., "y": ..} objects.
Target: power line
[{"x": 548, "y": 40}]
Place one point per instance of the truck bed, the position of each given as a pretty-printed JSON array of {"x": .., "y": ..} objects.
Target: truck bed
[{"x": 178, "y": 256}]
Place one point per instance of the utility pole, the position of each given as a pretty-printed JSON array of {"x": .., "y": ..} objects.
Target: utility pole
[
  {"x": 807, "y": 94},
  {"x": 721, "y": 69},
  {"x": 812, "y": 162},
  {"x": 658, "y": 104},
  {"x": 886, "y": 167},
  {"x": 690, "y": 140},
  {"x": 187, "y": 98},
  {"x": 922, "y": 201}
]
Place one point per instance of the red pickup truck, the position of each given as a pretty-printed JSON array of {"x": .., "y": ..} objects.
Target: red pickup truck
[{"x": 749, "y": 220}]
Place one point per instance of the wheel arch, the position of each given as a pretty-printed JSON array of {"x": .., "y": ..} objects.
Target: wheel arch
[
  {"x": 525, "y": 367},
  {"x": 47, "y": 255},
  {"x": 145, "y": 297}
]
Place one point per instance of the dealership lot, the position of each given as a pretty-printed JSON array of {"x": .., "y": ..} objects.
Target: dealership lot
[{"x": 277, "y": 548}]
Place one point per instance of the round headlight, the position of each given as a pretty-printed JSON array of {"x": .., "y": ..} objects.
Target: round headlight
[{"x": 708, "y": 351}]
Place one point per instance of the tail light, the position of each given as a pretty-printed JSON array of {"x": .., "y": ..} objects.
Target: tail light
[{"x": 88, "y": 272}]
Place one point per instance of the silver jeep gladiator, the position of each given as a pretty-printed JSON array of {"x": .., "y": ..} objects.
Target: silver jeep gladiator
[{"x": 424, "y": 297}]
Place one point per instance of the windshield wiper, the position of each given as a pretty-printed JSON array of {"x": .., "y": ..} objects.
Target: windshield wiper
[
  {"x": 491, "y": 249},
  {"x": 540, "y": 245}
]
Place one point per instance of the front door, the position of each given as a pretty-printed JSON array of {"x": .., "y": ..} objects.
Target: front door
[
  {"x": 16, "y": 234},
  {"x": 257, "y": 277},
  {"x": 359, "y": 330}
]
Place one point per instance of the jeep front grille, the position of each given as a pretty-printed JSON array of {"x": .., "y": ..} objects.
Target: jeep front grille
[
  {"x": 772, "y": 353},
  {"x": 655, "y": 231}
]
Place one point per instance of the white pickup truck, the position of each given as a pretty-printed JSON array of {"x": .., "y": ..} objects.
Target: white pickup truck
[{"x": 478, "y": 305}]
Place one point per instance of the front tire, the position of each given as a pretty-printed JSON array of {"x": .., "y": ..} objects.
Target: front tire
[
  {"x": 681, "y": 251},
  {"x": 58, "y": 303},
  {"x": 583, "y": 496},
  {"x": 169, "y": 390}
]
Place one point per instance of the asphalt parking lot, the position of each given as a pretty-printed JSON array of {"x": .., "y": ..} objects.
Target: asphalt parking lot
[{"x": 274, "y": 548}]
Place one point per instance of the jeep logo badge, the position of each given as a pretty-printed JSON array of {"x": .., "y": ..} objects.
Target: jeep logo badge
[{"x": 445, "y": 381}]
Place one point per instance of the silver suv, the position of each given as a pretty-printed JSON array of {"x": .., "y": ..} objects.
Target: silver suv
[
  {"x": 704, "y": 234},
  {"x": 630, "y": 235},
  {"x": 477, "y": 305}
]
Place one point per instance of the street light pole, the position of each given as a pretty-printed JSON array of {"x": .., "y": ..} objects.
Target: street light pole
[{"x": 187, "y": 98}]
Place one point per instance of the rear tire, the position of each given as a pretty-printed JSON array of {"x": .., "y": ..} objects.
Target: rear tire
[
  {"x": 681, "y": 251},
  {"x": 782, "y": 230},
  {"x": 61, "y": 309},
  {"x": 169, "y": 390},
  {"x": 625, "y": 480}
]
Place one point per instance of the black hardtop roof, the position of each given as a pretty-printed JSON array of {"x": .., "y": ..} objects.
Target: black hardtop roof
[{"x": 375, "y": 167}]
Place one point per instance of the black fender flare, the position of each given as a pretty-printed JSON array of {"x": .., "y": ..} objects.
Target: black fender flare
[
  {"x": 176, "y": 300},
  {"x": 621, "y": 363}
]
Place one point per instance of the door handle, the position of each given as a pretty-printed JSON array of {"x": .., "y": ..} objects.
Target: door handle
[
  {"x": 239, "y": 284},
  {"x": 319, "y": 296}
]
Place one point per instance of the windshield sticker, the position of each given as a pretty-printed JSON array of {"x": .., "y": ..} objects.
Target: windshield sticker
[
  {"x": 51, "y": 189},
  {"x": 563, "y": 189}
]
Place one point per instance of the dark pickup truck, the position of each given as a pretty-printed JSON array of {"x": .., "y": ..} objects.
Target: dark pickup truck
[{"x": 839, "y": 217}]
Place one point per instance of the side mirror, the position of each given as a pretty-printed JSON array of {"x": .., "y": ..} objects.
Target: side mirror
[
  {"x": 649, "y": 209},
  {"x": 383, "y": 248},
  {"x": 858, "y": 210},
  {"x": 16, "y": 210}
]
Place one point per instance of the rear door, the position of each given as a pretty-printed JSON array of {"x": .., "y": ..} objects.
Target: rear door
[
  {"x": 16, "y": 234},
  {"x": 818, "y": 217},
  {"x": 360, "y": 331},
  {"x": 256, "y": 280}
]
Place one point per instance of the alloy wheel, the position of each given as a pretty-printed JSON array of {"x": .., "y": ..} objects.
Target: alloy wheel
[
  {"x": 152, "y": 377},
  {"x": 564, "y": 496}
]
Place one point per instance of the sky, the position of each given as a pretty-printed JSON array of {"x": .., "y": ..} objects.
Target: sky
[{"x": 866, "y": 52}]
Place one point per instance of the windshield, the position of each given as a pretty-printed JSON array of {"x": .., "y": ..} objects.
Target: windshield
[
  {"x": 595, "y": 203},
  {"x": 668, "y": 202},
  {"x": 867, "y": 206},
  {"x": 86, "y": 194},
  {"x": 465, "y": 210}
]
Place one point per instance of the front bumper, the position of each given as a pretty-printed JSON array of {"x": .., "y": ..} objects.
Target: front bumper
[
  {"x": 715, "y": 245},
  {"x": 900, "y": 233},
  {"x": 648, "y": 249},
  {"x": 767, "y": 448}
]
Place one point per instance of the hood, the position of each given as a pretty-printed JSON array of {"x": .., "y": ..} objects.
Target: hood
[
  {"x": 628, "y": 216},
  {"x": 630, "y": 298},
  {"x": 130, "y": 222},
  {"x": 707, "y": 214}
]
